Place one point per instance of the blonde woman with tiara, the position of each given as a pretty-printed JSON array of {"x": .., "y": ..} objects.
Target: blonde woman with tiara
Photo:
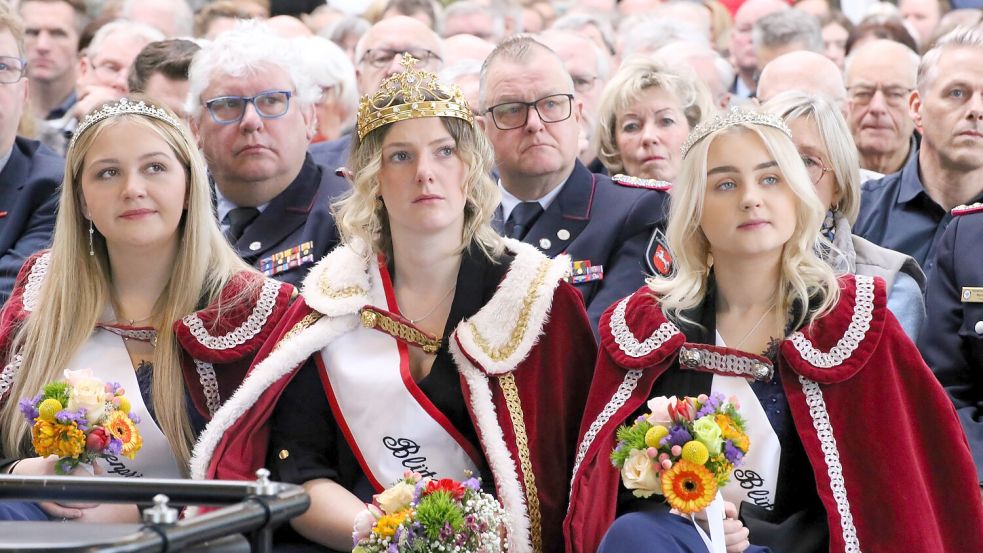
[
  {"x": 853, "y": 444},
  {"x": 480, "y": 355},
  {"x": 139, "y": 286}
]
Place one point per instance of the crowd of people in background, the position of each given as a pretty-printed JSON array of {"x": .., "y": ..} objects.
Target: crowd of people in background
[{"x": 232, "y": 204}]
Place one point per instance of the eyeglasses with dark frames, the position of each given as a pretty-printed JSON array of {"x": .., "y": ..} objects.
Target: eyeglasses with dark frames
[
  {"x": 383, "y": 57},
  {"x": 551, "y": 109},
  {"x": 12, "y": 69},
  {"x": 269, "y": 104}
]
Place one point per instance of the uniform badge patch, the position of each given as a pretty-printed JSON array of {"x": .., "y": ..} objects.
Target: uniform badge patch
[
  {"x": 658, "y": 256},
  {"x": 583, "y": 271},
  {"x": 291, "y": 258},
  {"x": 971, "y": 294}
]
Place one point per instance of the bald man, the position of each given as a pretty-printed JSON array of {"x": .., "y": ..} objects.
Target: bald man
[
  {"x": 804, "y": 71},
  {"x": 461, "y": 47}
]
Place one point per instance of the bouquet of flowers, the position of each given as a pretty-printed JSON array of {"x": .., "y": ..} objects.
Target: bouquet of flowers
[
  {"x": 421, "y": 515},
  {"x": 684, "y": 449},
  {"x": 81, "y": 419}
]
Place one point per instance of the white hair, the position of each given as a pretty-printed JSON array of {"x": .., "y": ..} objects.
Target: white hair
[
  {"x": 646, "y": 35},
  {"x": 960, "y": 37},
  {"x": 184, "y": 18},
  {"x": 470, "y": 7},
  {"x": 328, "y": 65},
  {"x": 787, "y": 26},
  {"x": 139, "y": 30},
  {"x": 577, "y": 21},
  {"x": 602, "y": 64},
  {"x": 913, "y": 58},
  {"x": 246, "y": 49}
]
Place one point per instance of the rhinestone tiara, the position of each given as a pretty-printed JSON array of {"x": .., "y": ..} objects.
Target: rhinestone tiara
[
  {"x": 735, "y": 116},
  {"x": 404, "y": 96},
  {"x": 123, "y": 106}
]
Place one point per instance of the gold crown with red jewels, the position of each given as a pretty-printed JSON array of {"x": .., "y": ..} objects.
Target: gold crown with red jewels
[
  {"x": 405, "y": 96},
  {"x": 735, "y": 116},
  {"x": 123, "y": 106}
]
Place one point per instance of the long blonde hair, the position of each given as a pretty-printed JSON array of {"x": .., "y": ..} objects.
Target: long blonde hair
[
  {"x": 362, "y": 219},
  {"x": 77, "y": 288},
  {"x": 805, "y": 279}
]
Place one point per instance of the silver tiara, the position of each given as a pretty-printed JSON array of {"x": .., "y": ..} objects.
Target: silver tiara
[
  {"x": 735, "y": 116},
  {"x": 123, "y": 107}
]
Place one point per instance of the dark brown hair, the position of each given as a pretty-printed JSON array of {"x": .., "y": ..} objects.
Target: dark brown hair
[{"x": 170, "y": 58}]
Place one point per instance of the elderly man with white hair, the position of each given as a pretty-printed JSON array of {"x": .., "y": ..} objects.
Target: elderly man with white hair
[
  {"x": 331, "y": 70},
  {"x": 174, "y": 18},
  {"x": 251, "y": 104}
]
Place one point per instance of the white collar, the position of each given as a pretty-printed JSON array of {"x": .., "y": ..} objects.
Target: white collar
[{"x": 509, "y": 201}]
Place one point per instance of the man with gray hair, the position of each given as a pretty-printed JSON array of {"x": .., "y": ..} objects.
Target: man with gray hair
[
  {"x": 880, "y": 76},
  {"x": 783, "y": 32},
  {"x": 709, "y": 66},
  {"x": 741, "y": 46},
  {"x": 251, "y": 105},
  {"x": 468, "y": 17},
  {"x": 805, "y": 71},
  {"x": 532, "y": 117},
  {"x": 908, "y": 211}
]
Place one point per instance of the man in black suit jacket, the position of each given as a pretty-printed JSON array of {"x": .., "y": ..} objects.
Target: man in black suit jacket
[
  {"x": 549, "y": 199},
  {"x": 30, "y": 172},
  {"x": 253, "y": 116}
]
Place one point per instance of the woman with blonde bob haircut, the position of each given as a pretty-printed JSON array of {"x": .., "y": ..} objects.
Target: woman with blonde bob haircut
[
  {"x": 754, "y": 314},
  {"x": 645, "y": 114},
  {"x": 480, "y": 353},
  {"x": 141, "y": 288},
  {"x": 823, "y": 140}
]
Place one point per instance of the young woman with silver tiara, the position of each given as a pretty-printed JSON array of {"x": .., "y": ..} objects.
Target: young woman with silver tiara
[{"x": 141, "y": 288}]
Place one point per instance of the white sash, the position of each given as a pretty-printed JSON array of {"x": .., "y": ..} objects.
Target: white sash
[
  {"x": 387, "y": 420},
  {"x": 756, "y": 479},
  {"x": 105, "y": 353}
]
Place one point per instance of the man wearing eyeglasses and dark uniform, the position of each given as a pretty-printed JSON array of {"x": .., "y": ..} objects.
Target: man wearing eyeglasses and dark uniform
[
  {"x": 252, "y": 112},
  {"x": 909, "y": 211},
  {"x": 377, "y": 56},
  {"x": 549, "y": 199},
  {"x": 29, "y": 172}
]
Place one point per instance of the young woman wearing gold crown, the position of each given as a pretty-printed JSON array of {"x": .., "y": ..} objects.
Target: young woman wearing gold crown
[
  {"x": 425, "y": 342},
  {"x": 853, "y": 444},
  {"x": 141, "y": 288}
]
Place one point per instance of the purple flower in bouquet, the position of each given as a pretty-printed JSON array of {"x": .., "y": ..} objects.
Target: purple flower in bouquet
[
  {"x": 28, "y": 406},
  {"x": 134, "y": 417},
  {"x": 711, "y": 405},
  {"x": 678, "y": 435},
  {"x": 732, "y": 454},
  {"x": 77, "y": 416},
  {"x": 115, "y": 447},
  {"x": 472, "y": 483}
]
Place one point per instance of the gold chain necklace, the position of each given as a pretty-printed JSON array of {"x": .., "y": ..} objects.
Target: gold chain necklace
[
  {"x": 755, "y": 327},
  {"x": 432, "y": 309}
]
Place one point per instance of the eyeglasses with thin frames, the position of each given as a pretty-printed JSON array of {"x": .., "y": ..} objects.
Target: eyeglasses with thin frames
[
  {"x": 551, "y": 109},
  {"x": 269, "y": 104},
  {"x": 893, "y": 95},
  {"x": 12, "y": 69},
  {"x": 383, "y": 57},
  {"x": 815, "y": 167}
]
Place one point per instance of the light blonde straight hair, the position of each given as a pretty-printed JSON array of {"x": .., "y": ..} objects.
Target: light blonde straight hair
[
  {"x": 77, "y": 289},
  {"x": 362, "y": 218},
  {"x": 805, "y": 279}
]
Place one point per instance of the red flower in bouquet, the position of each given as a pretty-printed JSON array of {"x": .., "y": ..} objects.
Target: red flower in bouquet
[
  {"x": 97, "y": 440},
  {"x": 445, "y": 484}
]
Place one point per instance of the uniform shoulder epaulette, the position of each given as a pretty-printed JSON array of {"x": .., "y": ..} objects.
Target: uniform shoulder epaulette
[
  {"x": 966, "y": 209},
  {"x": 636, "y": 182}
]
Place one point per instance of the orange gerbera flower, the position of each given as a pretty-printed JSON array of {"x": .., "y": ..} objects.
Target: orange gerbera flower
[
  {"x": 688, "y": 487},
  {"x": 121, "y": 427}
]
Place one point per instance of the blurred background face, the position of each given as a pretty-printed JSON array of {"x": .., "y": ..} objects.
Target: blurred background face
[
  {"x": 834, "y": 38},
  {"x": 924, "y": 16},
  {"x": 51, "y": 40},
  {"x": 13, "y": 96},
  {"x": 383, "y": 44},
  {"x": 878, "y": 85},
  {"x": 110, "y": 66}
]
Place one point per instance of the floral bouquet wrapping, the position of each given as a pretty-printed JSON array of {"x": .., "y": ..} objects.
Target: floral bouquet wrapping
[
  {"x": 418, "y": 515},
  {"x": 684, "y": 449},
  {"x": 80, "y": 420}
]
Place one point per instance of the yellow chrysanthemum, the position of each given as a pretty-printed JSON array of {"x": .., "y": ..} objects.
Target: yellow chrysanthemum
[
  {"x": 122, "y": 428},
  {"x": 387, "y": 525},
  {"x": 730, "y": 431},
  {"x": 52, "y": 438},
  {"x": 688, "y": 487}
]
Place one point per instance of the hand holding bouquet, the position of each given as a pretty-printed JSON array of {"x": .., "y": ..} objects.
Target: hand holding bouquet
[
  {"x": 80, "y": 420},
  {"x": 422, "y": 515},
  {"x": 684, "y": 449}
]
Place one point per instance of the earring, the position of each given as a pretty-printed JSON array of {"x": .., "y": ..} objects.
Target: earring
[{"x": 92, "y": 231}]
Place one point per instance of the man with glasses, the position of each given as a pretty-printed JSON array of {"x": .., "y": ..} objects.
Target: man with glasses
[
  {"x": 549, "y": 199},
  {"x": 30, "y": 173},
  {"x": 908, "y": 211},
  {"x": 251, "y": 109},
  {"x": 880, "y": 76}
]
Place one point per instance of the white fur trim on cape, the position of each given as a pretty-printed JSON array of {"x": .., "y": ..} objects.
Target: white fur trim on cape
[
  {"x": 339, "y": 283},
  {"x": 285, "y": 358},
  {"x": 499, "y": 459},
  {"x": 510, "y": 324}
]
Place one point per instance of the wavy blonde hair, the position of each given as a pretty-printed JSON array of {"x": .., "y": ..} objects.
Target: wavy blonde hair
[
  {"x": 805, "y": 279},
  {"x": 362, "y": 219},
  {"x": 77, "y": 288},
  {"x": 627, "y": 86}
]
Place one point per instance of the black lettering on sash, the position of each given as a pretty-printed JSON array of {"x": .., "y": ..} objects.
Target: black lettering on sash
[
  {"x": 752, "y": 481},
  {"x": 402, "y": 448},
  {"x": 116, "y": 466}
]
